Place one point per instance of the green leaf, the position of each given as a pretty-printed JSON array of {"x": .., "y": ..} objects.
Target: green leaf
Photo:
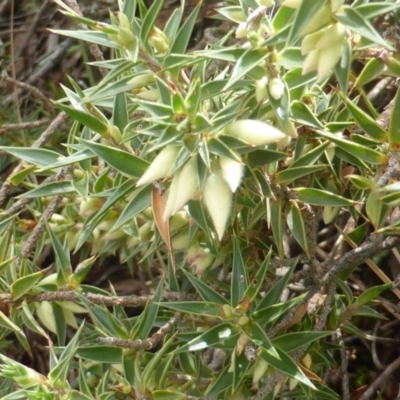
[
  {"x": 362, "y": 152},
  {"x": 274, "y": 294},
  {"x": 276, "y": 225},
  {"x": 92, "y": 222},
  {"x": 371, "y": 294},
  {"x": 40, "y": 157},
  {"x": 354, "y": 20},
  {"x": 302, "y": 114},
  {"x": 295, "y": 222},
  {"x": 168, "y": 395},
  {"x": 318, "y": 197},
  {"x": 221, "y": 336},
  {"x": 372, "y": 10},
  {"x": 23, "y": 285},
  {"x": 257, "y": 282},
  {"x": 294, "y": 340},
  {"x": 99, "y": 38},
  {"x": 366, "y": 122},
  {"x": 50, "y": 189},
  {"x": 372, "y": 69},
  {"x": 240, "y": 278},
  {"x": 342, "y": 68},
  {"x": 259, "y": 337},
  {"x": 97, "y": 123},
  {"x": 141, "y": 199},
  {"x": 202, "y": 308},
  {"x": 60, "y": 371},
  {"x": 310, "y": 157},
  {"x": 126, "y": 163},
  {"x": 102, "y": 354},
  {"x": 173, "y": 23},
  {"x": 196, "y": 211},
  {"x": 286, "y": 364},
  {"x": 204, "y": 290},
  {"x": 222, "y": 382},
  {"x": 270, "y": 314},
  {"x": 62, "y": 255},
  {"x": 394, "y": 125},
  {"x": 149, "y": 20},
  {"x": 291, "y": 174},
  {"x": 361, "y": 182},
  {"x": 241, "y": 366},
  {"x": 248, "y": 61},
  {"x": 376, "y": 210},
  {"x": 264, "y": 156},
  {"x": 179, "y": 46},
  {"x": 6, "y": 323}
]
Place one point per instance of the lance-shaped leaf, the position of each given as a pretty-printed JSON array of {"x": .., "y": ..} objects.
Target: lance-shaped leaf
[
  {"x": 126, "y": 163},
  {"x": 318, "y": 197},
  {"x": 394, "y": 125}
]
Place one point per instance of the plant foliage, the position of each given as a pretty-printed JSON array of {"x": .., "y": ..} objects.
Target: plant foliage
[{"x": 211, "y": 169}]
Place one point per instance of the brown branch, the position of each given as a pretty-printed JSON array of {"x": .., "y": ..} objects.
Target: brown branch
[
  {"x": 145, "y": 344},
  {"x": 99, "y": 299},
  {"x": 7, "y": 185},
  {"x": 24, "y": 125},
  {"x": 34, "y": 91},
  {"x": 382, "y": 378}
]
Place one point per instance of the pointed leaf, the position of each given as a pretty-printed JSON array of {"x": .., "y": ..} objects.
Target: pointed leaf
[
  {"x": 319, "y": 197},
  {"x": 126, "y": 163},
  {"x": 354, "y": 20},
  {"x": 394, "y": 125}
]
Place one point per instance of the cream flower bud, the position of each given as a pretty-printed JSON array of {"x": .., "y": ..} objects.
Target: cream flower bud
[
  {"x": 276, "y": 88},
  {"x": 331, "y": 35},
  {"x": 184, "y": 186},
  {"x": 266, "y": 3},
  {"x": 232, "y": 172},
  {"x": 336, "y": 5},
  {"x": 199, "y": 258},
  {"x": 160, "y": 166},
  {"x": 241, "y": 30},
  {"x": 321, "y": 18},
  {"x": 311, "y": 61},
  {"x": 261, "y": 90},
  {"x": 310, "y": 41},
  {"x": 141, "y": 80},
  {"x": 292, "y": 3},
  {"x": 45, "y": 313},
  {"x": 159, "y": 40},
  {"x": 328, "y": 58},
  {"x": 218, "y": 200},
  {"x": 23, "y": 376},
  {"x": 89, "y": 206},
  {"x": 260, "y": 368},
  {"x": 329, "y": 214},
  {"x": 256, "y": 133},
  {"x": 307, "y": 361},
  {"x": 293, "y": 382},
  {"x": 151, "y": 95}
]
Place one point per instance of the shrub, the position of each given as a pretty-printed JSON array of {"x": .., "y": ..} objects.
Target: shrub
[{"x": 217, "y": 172}]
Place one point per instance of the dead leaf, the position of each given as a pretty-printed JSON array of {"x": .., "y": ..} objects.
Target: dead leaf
[{"x": 158, "y": 202}]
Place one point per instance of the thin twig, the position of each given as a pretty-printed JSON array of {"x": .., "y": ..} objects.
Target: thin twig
[
  {"x": 343, "y": 366},
  {"x": 93, "y": 48},
  {"x": 24, "y": 125},
  {"x": 7, "y": 185},
  {"x": 382, "y": 378},
  {"x": 145, "y": 344},
  {"x": 34, "y": 91},
  {"x": 99, "y": 299}
]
